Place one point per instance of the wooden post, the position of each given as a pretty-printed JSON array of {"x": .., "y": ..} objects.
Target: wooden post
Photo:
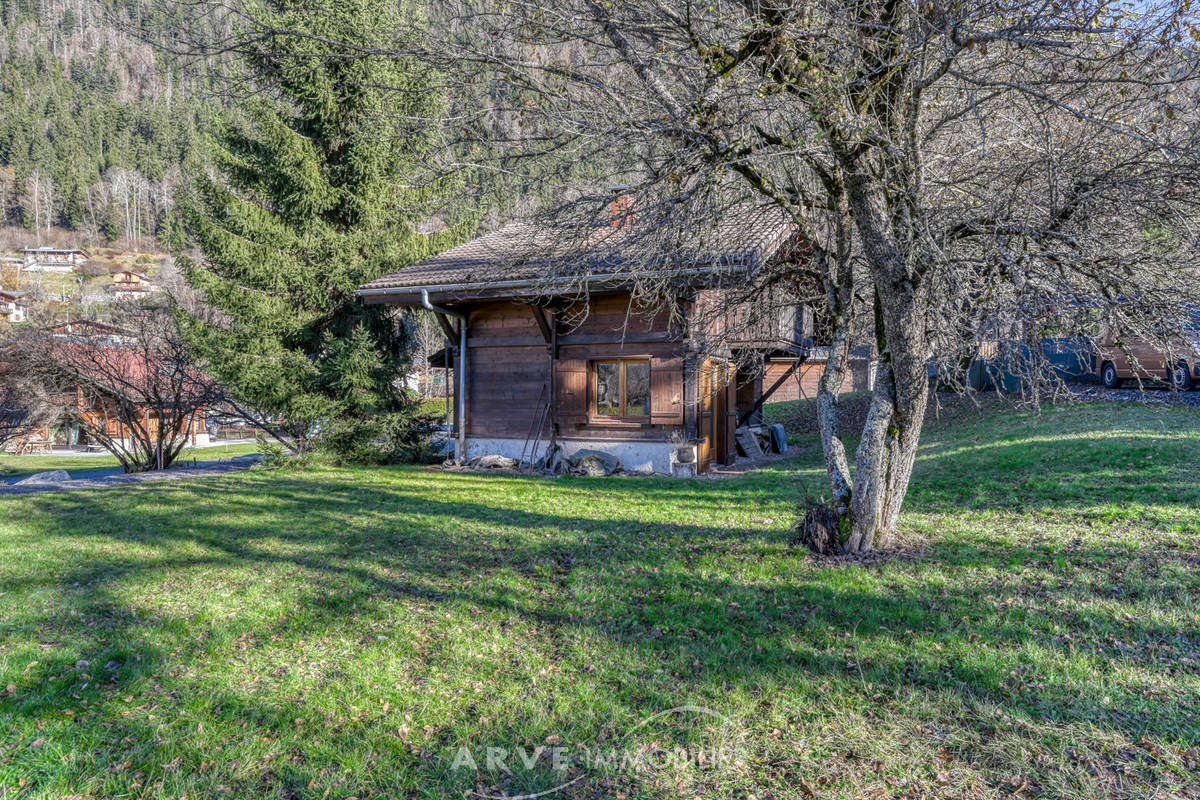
[
  {"x": 543, "y": 326},
  {"x": 447, "y": 329}
]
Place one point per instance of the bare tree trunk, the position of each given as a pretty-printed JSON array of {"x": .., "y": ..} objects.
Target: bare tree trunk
[
  {"x": 839, "y": 295},
  {"x": 836, "y": 463},
  {"x": 37, "y": 206},
  {"x": 823, "y": 526},
  {"x": 887, "y": 451}
]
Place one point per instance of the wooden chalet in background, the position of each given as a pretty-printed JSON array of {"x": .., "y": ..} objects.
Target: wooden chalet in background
[
  {"x": 52, "y": 259},
  {"x": 130, "y": 285},
  {"x": 91, "y": 331},
  {"x": 123, "y": 378},
  {"x": 548, "y": 359},
  {"x": 802, "y": 381},
  {"x": 14, "y": 306}
]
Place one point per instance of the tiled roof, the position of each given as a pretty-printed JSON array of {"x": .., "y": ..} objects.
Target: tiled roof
[{"x": 746, "y": 236}]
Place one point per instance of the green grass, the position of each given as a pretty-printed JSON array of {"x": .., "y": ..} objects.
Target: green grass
[
  {"x": 28, "y": 465},
  {"x": 799, "y": 417},
  {"x": 788, "y": 412},
  {"x": 343, "y": 632},
  {"x": 435, "y": 407}
]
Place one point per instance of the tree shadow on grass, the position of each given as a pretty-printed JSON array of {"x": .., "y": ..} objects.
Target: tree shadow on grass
[{"x": 359, "y": 551}]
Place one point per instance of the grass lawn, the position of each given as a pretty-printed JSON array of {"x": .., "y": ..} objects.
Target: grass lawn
[
  {"x": 799, "y": 417},
  {"x": 347, "y": 632},
  {"x": 435, "y": 407},
  {"x": 28, "y": 465}
]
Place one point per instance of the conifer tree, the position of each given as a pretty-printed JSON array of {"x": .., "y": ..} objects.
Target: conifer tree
[{"x": 309, "y": 194}]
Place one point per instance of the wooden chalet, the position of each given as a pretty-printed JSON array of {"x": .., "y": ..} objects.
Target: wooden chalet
[
  {"x": 550, "y": 363},
  {"x": 14, "y": 306},
  {"x": 90, "y": 331},
  {"x": 95, "y": 413},
  {"x": 804, "y": 380},
  {"x": 52, "y": 259},
  {"x": 127, "y": 371},
  {"x": 129, "y": 285}
]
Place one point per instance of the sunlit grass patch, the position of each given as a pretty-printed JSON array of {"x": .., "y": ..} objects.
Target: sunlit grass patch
[{"x": 345, "y": 632}]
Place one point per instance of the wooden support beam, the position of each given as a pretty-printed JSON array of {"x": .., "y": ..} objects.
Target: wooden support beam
[
  {"x": 746, "y": 415},
  {"x": 447, "y": 329},
  {"x": 539, "y": 316}
]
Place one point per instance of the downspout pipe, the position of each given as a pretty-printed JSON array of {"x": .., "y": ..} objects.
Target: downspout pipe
[{"x": 460, "y": 449}]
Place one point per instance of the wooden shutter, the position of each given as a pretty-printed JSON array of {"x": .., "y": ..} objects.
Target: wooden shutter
[
  {"x": 730, "y": 418},
  {"x": 570, "y": 389},
  {"x": 666, "y": 391}
]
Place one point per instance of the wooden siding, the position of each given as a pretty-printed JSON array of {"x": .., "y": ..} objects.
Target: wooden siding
[
  {"x": 805, "y": 382},
  {"x": 510, "y": 376},
  {"x": 508, "y": 368}
]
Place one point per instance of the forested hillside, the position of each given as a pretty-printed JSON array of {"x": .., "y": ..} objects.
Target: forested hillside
[{"x": 97, "y": 123}]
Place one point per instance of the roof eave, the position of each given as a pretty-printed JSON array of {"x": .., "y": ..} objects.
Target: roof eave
[{"x": 411, "y": 295}]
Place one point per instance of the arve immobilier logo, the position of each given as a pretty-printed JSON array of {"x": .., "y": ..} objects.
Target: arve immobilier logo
[{"x": 713, "y": 742}]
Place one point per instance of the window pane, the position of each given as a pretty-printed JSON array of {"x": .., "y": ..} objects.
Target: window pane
[
  {"x": 637, "y": 389},
  {"x": 608, "y": 389}
]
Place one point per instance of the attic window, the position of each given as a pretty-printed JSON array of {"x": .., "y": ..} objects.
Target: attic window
[{"x": 621, "y": 389}]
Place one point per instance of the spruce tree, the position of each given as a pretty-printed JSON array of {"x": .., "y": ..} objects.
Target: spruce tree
[{"x": 309, "y": 194}]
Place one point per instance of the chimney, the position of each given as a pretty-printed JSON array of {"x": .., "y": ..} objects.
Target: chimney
[{"x": 620, "y": 208}]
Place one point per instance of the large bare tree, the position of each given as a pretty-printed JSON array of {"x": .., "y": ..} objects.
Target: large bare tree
[{"x": 960, "y": 171}]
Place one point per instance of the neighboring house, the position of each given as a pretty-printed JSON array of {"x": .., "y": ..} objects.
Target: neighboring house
[
  {"x": 99, "y": 418},
  {"x": 50, "y": 259},
  {"x": 122, "y": 364},
  {"x": 582, "y": 366},
  {"x": 126, "y": 372},
  {"x": 14, "y": 307},
  {"x": 805, "y": 381},
  {"x": 129, "y": 285},
  {"x": 121, "y": 376},
  {"x": 87, "y": 330}
]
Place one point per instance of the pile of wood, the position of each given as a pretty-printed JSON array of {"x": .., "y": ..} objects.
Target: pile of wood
[{"x": 757, "y": 441}]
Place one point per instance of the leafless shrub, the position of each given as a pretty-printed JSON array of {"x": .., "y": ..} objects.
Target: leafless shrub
[
  {"x": 22, "y": 410},
  {"x": 133, "y": 388}
]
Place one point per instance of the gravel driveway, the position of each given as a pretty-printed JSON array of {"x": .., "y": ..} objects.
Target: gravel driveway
[
  {"x": 1147, "y": 397},
  {"x": 100, "y": 478}
]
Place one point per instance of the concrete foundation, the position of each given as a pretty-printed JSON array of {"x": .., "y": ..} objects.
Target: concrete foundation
[{"x": 647, "y": 458}]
